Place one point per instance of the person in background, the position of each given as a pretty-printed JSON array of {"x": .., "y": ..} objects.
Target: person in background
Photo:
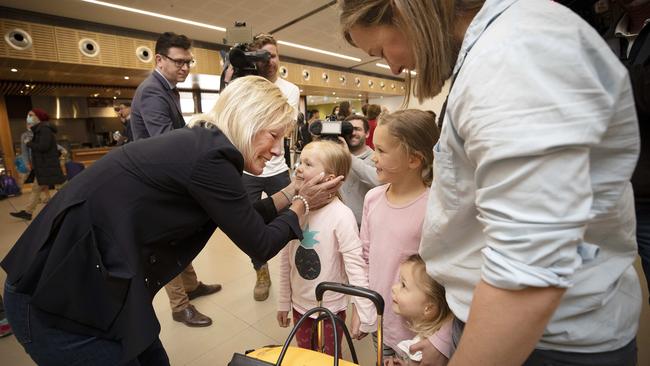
[
  {"x": 335, "y": 112},
  {"x": 124, "y": 113},
  {"x": 46, "y": 170},
  {"x": 303, "y": 135},
  {"x": 363, "y": 175},
  {"x": 364, "y": 109},
  {"x": 156, "y": 105},
  {"x": 276, "y": 171},
  {"x": 313, "y": 115},
  {"x": 156, "y": 110},
  {"x": 530, "y": 223},
  {"x": 372, "y": 114},
  {"x": 629, "y": 38},
  {"x": 25, "y": 157},
  {"x": 344, "y": 110}
]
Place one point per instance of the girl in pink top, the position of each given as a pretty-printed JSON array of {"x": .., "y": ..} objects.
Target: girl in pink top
[
  {"x": 330, "y": 251},
  {"x": 420, "y": 300},
  {"x": 391, "y": 225}
]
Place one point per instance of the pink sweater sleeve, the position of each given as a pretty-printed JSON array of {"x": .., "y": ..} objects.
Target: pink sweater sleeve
[
  {"x": 442, "y": 339},
  {"x": 284, "y": 287}
]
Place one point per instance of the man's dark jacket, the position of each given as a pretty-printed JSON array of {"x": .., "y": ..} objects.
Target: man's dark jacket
[
  {"x": 638, "y": 64},
  {"x": 155, "y": 108}
]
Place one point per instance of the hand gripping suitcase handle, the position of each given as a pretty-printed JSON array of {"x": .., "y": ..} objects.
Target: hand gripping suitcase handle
[{"x": 352, "y": 291}]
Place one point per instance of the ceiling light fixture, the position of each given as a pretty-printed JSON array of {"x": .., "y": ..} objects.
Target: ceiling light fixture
[
  {"x": 13, "y": 69},
  {"x": 384, "y": 66},
  {"x": 318, "y": 50},
  {"x": 126, "y": 78},
  {"x": 157, "y": 15},
  {"x": 210, "y": 26}
]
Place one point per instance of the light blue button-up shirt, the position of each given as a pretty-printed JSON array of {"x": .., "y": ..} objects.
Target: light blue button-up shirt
[{"x": 532, "y": 172}]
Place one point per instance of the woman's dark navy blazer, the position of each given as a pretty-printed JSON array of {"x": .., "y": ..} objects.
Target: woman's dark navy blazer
[{"x": 97, "y": 254}]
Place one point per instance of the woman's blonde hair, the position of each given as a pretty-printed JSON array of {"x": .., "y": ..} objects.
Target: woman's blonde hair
[
  {"x": 435, "y": 293},
  {"x": 335, "y": 158},
  {"x": 417, "y": 132},
  {"x": 247, "y": 106},
  {"x": 428, "y": 24}
]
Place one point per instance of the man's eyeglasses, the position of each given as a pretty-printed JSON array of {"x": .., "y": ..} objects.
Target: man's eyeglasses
[{"x": 180, "y": 62}]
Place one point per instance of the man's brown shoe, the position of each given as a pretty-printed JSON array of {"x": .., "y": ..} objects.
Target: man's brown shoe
[
  {"x": 203, "y": 290},
  {"x": 191, "y": 317}
]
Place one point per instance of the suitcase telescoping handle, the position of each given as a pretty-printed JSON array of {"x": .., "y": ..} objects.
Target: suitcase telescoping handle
[{"x": 351, "y": 290}]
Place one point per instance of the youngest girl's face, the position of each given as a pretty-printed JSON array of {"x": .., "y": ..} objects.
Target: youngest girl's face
[
  {"x": 310, "y": 166},
  {"x": 409, "y": 300}
]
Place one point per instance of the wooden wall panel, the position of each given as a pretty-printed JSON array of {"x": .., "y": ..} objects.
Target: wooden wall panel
[
  {"x": 213, "y": 61},
  {"x": 126, "y": 52},
  {"x": 62, "y": 45},
  {"x": 108, "y": 55},
  {"x": 130, "y": 52},
  {"x": 44, "y": 42},
  {"x": 66, "y": 44}
]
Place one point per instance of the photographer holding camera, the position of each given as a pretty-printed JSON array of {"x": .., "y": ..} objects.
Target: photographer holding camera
[
  {"x": 276, "y": 172},
  {"x": 352, "y": 133},
  {"x": 363, "y": 175}
]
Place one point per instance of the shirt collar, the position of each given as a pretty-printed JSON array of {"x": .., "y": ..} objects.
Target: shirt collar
[
  {"x": 621, "y": 27},
  {"x": 489, "y": 11},
  {"x": 171, "y": 86}
]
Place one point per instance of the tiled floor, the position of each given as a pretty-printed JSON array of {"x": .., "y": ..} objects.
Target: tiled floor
[{"x": 239, "y": 322}]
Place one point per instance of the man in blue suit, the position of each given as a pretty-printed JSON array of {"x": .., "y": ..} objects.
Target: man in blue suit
[{"x": 156, "y": 109}]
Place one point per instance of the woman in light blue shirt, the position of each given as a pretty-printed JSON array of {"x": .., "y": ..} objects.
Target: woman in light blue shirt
[{"x": 530, "y": 224}]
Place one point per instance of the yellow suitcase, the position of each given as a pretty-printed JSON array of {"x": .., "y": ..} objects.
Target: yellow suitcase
[{"x": 294, "y": 356}]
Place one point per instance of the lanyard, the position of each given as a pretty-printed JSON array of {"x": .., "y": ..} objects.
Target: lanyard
[{"x": 469, "y": 48}]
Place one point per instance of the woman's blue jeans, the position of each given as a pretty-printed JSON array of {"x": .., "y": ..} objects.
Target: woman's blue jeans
[{"x": 53, "y": 347}]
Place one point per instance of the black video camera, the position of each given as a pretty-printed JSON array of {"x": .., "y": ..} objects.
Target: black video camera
[
  {"x": 331, "y": 129},
  {"x": 243, "y": 62}
]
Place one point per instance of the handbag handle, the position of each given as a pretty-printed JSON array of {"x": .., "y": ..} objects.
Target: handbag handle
[{"x": 318, "y": 309}]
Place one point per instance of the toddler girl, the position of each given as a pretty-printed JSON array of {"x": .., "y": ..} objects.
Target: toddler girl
[
  {"x": 421, "y": 302},
  {"x": 330, "y": 251}
]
